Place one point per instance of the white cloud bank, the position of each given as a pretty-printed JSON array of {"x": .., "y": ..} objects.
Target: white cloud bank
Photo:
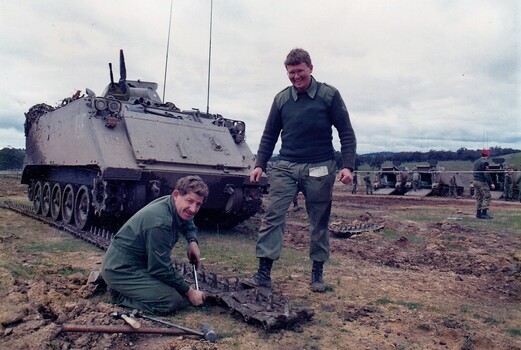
[{"x": 415, "y": 75}]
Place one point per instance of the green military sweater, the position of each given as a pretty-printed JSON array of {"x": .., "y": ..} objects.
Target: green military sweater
[
  {"x": 304, "y": 121},
  {"x": 146, "y": 240},
  {"x": 481, "y": 171}
]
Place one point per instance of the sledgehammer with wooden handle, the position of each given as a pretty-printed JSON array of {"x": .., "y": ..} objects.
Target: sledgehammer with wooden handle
[
  {"x": 207, "y": 331},
  {"x": 130, "y": 320},
  {"x": 67, "y": 327}
]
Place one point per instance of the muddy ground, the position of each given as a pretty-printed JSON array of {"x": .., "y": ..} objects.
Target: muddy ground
[{"x": 433, "y": 278}]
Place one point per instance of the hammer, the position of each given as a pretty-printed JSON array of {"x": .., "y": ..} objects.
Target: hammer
[
  {"x": 125, "y": 316},
  {"x": 207, "y": 331}
]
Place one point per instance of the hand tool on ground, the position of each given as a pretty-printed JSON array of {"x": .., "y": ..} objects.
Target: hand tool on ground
[
  {"x": 127, "y": 317},
  {"x": 195, "y": 277},
  {"x": 207, "y": 331},
  {"x": 68, "y": 327}
]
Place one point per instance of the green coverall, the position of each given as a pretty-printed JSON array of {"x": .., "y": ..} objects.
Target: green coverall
[{"x": 137, "y": 266}]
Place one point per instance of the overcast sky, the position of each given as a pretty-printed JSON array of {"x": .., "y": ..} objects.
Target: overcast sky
[{"x": 415, "y": 74}]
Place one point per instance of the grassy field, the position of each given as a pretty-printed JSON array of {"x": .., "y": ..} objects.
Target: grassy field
[{"x": 434, "y": 278}]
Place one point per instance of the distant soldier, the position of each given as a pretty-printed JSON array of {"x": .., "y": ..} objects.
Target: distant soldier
[
  {"x": 368, "y": 184},
  {"x": 384, "y": 181},
  {"x": 453, "y": 188},
  {"x": 295, "y": 202},
  {"x": 416, "y": 181},
  {"x": 508, "y": 185},
  {"x": 518, "y": 186},
  {"x": 355, "y": 183},
  {"x": 482, "y": 185}
]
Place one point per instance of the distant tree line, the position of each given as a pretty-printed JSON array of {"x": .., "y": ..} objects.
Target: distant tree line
[
  {"x": 11, "y": 158},
  {"x": 375, "y": 160}
]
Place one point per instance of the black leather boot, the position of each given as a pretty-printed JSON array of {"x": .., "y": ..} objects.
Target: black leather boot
[
  {"x": 317, "y": 280},
  {"x": 262, "y": 278},
  {"x": 484, "y": 214},
  {"x": 478, "y": 214}
]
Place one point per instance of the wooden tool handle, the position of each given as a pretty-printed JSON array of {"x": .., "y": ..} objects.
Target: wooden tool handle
[{"x": 131, "y": 321}]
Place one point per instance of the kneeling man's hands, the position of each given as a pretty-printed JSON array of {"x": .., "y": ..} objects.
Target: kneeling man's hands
[
  {"x": 194, "y": 254},
  {"x": 196, "y": 297}
]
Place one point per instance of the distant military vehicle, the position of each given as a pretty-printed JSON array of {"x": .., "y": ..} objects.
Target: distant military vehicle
[
  {"x": 426, "y": 179},
  {"x": 497, "y": 173},
  {"x": 447, "y": 183},
  {"x": 435, "y": 181},
  {"x": 391, "y": 180},
  {"x": 99, "y": 159}
]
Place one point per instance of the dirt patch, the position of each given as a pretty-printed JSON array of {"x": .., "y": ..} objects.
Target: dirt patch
[{"x": 433, "y": 278}]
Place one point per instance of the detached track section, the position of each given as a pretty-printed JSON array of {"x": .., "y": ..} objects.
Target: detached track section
[
  {"x": 97, "y": 237},
  {"x": 256, "y": 306}
]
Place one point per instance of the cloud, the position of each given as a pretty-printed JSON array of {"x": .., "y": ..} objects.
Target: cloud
[{"x": 414, "y": 75}]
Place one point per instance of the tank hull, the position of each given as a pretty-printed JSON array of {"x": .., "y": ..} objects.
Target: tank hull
[{"x": 111, "y": 155}]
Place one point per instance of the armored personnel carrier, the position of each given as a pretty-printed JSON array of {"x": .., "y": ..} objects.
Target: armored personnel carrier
[
  {"x": 426, "y": 174},
  {"x": 99, "y": 159},
  {"x": 434, "y": 180},
  {"x": 391, "y": 180},
  {"x": 448, "y": 184}
]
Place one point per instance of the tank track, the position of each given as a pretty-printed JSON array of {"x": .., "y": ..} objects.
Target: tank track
[
  {"x": 346, "y": 230},
  {"x": 258, "y": 306}
]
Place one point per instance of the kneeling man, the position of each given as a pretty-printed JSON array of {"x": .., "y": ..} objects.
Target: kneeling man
[{"x": 137, "y": 266}]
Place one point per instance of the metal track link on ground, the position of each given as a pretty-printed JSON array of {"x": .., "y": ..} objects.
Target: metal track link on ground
[
  {"x": 346, "y": 230},
  {"x": 258, "y": 306}
]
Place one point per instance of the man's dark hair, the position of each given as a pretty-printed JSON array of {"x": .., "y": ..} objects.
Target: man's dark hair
[
  {"x": 192, "y": 183},
  {"x": 297, "y": 56}
]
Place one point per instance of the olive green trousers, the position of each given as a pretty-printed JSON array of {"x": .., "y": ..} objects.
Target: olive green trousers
[
  {"x": 315, "y": 181},
  {"x": 482, "y": 193},
  {"x": 133, "y": 287}
]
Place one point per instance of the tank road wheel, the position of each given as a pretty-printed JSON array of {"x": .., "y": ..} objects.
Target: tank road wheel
[
  {"x": 83, "y": 210},
  {"x": 46, "y": 199},
  {"x": 234, "y": 202},
  {"x": 37, "y": 197},
  {"x": 56, "y": 201},
  {"x": 67, "y": 208}
]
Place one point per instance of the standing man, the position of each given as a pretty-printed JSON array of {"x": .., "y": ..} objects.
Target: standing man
[
  {"x": 416, "y": 181},
  {"x": 137, "y": 266},
  {"x": 482, "y": 185},
  {"x": 453, "y": 187},
  {"x": 368, "y": 184},
  {"x": 355, "y": 183},
  {"x": 295, "y": 202},
  {"x": 303, "y": 116},
  {"x": 508, "y": 188},
  {"x": 518, "y": 185}
]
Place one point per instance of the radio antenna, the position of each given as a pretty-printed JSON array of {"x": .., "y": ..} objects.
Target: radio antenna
[
  {"x": 167, "y": 48},
  {"x": 209, "y": 60}
]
